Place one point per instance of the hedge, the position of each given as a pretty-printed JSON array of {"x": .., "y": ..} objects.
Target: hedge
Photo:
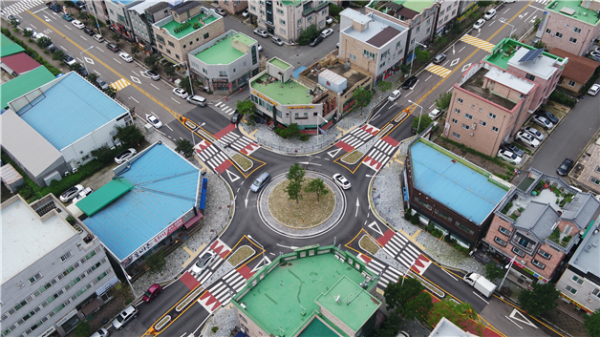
[{"x": 32, "y": 53}]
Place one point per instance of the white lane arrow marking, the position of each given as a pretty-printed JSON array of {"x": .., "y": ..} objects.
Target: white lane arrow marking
[
  {"x": 357, "y": 206},
  {"x": 246, "y": 201}
]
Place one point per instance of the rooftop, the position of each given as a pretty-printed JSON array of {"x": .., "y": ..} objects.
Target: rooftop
[
  {"x": 578, "y": 68},
  {"x": 379, "y": 32},
  {"x": 455, "y": 182},
  {"x": 317, "y": 328},
  {"x": 474, "y": 84},
  {"x": 20, "y": 63},
  {"x": 290, "y": 92},
  {"x": 23, "y": 84},
  {"x": 573, "y": 9},
  {"x": 352, "y": 76},
  {"x": 415, "y": 5},
  {"x": 509, "y": 52},
  {"x": 141, "y": 7},
  {"x": 71, "y": 109},
  {"x": 19, "y": 251},
  {"x": 585, "y": 257},
  {"x": 320, "y": 277},
  {"x": 8, "y": 46},
  {"x": 509, "y": 80},
  {"x": 224, "y": 51},
  {"x": 292, "y": 2},
  {"x": 279, "y": 63},
  {"x": 170, "y": 25},
  {"x": 446, "y": 328},
  {"x": 165, "y": 187}
]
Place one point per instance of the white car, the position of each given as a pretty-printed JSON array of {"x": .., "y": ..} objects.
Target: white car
[
  {"x": 490, "y": 14},
  {"x": 98, "y": 38},
  {"x": 100, "y": 333},
  {"x": 326, "y": 32},
  {"x": 543, "y": 121},
  {"x": 126, "y": 57},
  {"x": 87, "y": 191},
  {"x": 125, "y": 155},
  {"x": 394, "y": 95},
  {"x": 328, "y": 20},
  {"x": 203, "y": 262},
  {"x": 509, "y": 156},
  {"x": 534, "y": 132},
  {"x": 245, "y": 13},
  {"x": 179, "y": 92},
  {"x": 479, "y": 24},
  {"x": 71, "y": 193},
  {"x": 125, "y": 316},
  {"x": 594, "y": 90},
  {"x": 527, "y": 139},
  {"x": 78, "y": 24},
  {"x": 154, "y": 121},
  {"x": 435, "y": 113},
  {"x": 342, "y": 181}
]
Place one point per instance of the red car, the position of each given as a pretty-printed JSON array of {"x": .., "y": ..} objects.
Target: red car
[{"x": 152, "y": 292}]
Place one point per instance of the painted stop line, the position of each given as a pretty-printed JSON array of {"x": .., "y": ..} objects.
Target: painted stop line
[{"x": 88, "y": 60}]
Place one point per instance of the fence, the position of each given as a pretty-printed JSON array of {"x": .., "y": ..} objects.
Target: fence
[{"x": 301, "y": 148}]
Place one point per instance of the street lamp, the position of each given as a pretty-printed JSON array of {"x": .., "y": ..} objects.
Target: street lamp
[
  {"x": 320, "y": 128},
  {"x": 96, "y": 17},
  {"x": 188, "y": 73},
  {"x": 413, "y": 57},
  {"x": 420, "y": 113},
  {"x": 512, "y": 29},
  {"x": 84, "y": 63},
  {"x": 507, "y": 270},
  {"x": 193, "y": 140},
  {"x": 261, "y": 246}
]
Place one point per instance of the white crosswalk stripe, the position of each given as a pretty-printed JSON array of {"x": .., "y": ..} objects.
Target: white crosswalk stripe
[
  {"x": 543, "y": 2},
  {"x": 21, "y": 6},
  {"x": 237, "y": 142}
]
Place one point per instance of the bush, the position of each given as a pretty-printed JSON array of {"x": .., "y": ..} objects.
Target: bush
[
  {"x": 415, "y": 219},
  {"x": 104, "y": 154},
  {"x": 407, "y": 215},
  {"x": 308, "y": 35},
  {"x": 303, "y": 137},
  {"x": 562, "y": 98}
]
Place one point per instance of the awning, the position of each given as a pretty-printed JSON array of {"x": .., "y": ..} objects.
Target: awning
[
  {"x": 91, "y": 307},
  {"x": 193, "y": 220}
]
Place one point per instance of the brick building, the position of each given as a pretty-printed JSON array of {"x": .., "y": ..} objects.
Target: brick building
[{"x": 233, "y": 6}]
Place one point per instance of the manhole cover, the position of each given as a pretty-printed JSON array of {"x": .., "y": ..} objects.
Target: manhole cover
[{"x": 220, "y": 207}]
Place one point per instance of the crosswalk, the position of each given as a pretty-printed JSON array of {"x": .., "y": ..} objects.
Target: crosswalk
[
  {"x": 120, "y": 84},
  {"x": 404, "y": 252},
  {"x": 543, "y": 2},
  {"x": 479, "y": 43},
  {"x": 379, "y": 154},
  {"x": 226, "y": 109},
  {"x": 21, "y": 6},
  {"x": 211, "y": 155},
  {"x": 222, "y": 291},
  {"x": 386, "y": 274},
  {"x": 438, "y": 70},
  {"x": 359, "y": 136},
  {"x": 242, "y": 144}
]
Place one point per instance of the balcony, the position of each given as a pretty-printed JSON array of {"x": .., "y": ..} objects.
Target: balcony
[{"x": 311, "y": 10}]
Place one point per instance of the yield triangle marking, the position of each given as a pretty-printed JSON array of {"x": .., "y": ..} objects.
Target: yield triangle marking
[
  {"x": 232, "y": 176},
  {"x": 375, "y": 227},
  {"x": 522, "y": 318},
  {"x": 261, "y": 263},
  {"x": 334, "y": 153}
]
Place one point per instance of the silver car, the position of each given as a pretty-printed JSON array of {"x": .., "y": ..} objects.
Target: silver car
[
  {"x": 124, "y": 317},
  {"x": 261, "y": 32}
]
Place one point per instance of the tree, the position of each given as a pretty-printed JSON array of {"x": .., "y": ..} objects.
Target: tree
[
  {"x": 407, "y": 300},
  {"x": 422, "y": 55},
  {"x": 443, "y": 101},
  {"x": 169, "y": 70},
  {"x": 318, "y": 187},
  {"x": 14, "y": 22},
  {"x": 307, "y": 35},
  {"x": 296, "y": 177},
  {"x": 294, "y": 189},
  {"x": 185, "y": 147},
  {"x": 156, "y": 262},
  {"x": 493, "y": 271},
  {"x": 58, "y": 55},
  {"x": 390, "y": 327},
  {"x": 104, "y": 154},
  {"x": 135, "y": 49},
  {"x": 362, "y": 98},
  {"x": 384, "y": 86},
  {"x": 539, "y": 44},
  {"x": 424, "y": 124},
  {"x": 110, "y": 92},
  {"x": 543, "y": 298},
  {"x": 82, "y": 16},
  {"x": 592, "y": 324},
  {"x": 92, "y": 78},
  {"x": 27, "y": 32},
  {"x": 536, "y": 24},
  {"x": 83, "y": 329},
  {"x": 419, "y": 307},
  {"x": 185, "y": 85},
  {"x": 75, "y": 66},
  {"x": 245, "y": 107},
  {"x": 150, "y": 61},
  {"x": 43, "y": 42},
  {"x": 130, "y": 135},
  {"x": 296, "y": 173},
  {"x": 116, "y": 37},
  {"x": 459, "y": 314}
]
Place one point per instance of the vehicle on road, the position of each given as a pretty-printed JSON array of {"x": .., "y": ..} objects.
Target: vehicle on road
[
  {"x": 126, "y": 57},
  {"x": 316, "y": 41},
  {"x": 259, "y": 47},
  {"x": 594, "y": 90},
  {"x": 12, "y": 18},
  {"x": 124, "y": 317},
  {"x": 513, "y": 148},
  {"x": 154, "y": 121},
  {"x": 236, "y": 117},
  {"x": 490, "y": 14},
  {"x": 564, "y": 168},
  {"x": 54, "y": 6},
  {"x": 479, "y": 24},
  {"x": 179, "y": 92},
  {"x": 86, "y": 191},
  {"x": 435, "y": 113},
  {"x": 68, "y": 60},
  {"x": 67, "y": 17},
  {"x": 152, "y": 292},
  {"x": 326, "y": 32},
  {"x": 509, "y": 156},
  {"x": 103, "y": 85},
  {"x": 342, "y": 181},
  {"x": 38, "y": 36},
  {"x": 154, "y": 76},
  {"x": 125, "y": 155},
  {"x": 527, "y": 139},
  {"x": 221, "y": 11},
  {"x": 409, "y": 83},
  {"x": 328, "y": 20},
  {"x": 394, "y": 95},
  {"x": 542, "y": 121},
  {"x": 277, "y": 41},
  {"x": 260, "y": 182},
  {"x": 100, "y": 333},
  {"x": 439, "y": 58},
  {"x": 112, "y": 47},
  {"x": 71, "y": 193},
  {"x": 480, "y": 283},
  {"x": 245, "y": 13},
  {"x": 78, "y": 24},
  {"x": 203, "y": 262},
  {"x": 549, "y": 115},
  {"x": 89, "y": 31},
  {"x": 534, "y": 132},
  {"x": 98, "y": 38},
  {"x": 197, "y": 100},
  {"x": 261, "y": 32}
]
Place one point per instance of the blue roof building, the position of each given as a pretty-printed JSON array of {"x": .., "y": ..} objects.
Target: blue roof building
[
  {"x": 453, "y": 193},
  {"x": 150, "y": 198}
]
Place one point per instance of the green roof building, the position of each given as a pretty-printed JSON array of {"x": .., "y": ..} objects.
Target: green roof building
[
  {"x": 8, "y": 46},
  {"x": 314, "y": 291}
]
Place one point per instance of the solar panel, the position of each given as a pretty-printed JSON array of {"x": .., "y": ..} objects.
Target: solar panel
[{"x": 531, "y": 55}]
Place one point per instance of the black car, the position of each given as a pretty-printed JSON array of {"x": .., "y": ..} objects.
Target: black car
[
  {"x": 83, "y": 72},
  {"x": 113, "y": 47},
  {"x": 549, "y": 115},
  {"x": 88, "y": 31},
  {"x": 12, "y": 18},
  {"x": 564, "y": 168},
  {"x": 409, "y": 82},
  {"x": 512, "y": 148},
  {"x": 236, "y": 117},
  {"x": 55, "y": 7},
  {"x": 316, "y": 41},
  {"x": 51, "y": 48}
]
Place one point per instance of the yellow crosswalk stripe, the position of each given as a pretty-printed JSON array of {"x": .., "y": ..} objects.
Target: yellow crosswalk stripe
[
  {"x": 438, "y": 70},
  {"x": 479, "y": 43},
  {"x": 120, "y": 84}
]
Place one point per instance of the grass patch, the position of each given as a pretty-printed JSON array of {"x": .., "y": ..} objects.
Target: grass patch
[
  {"x": 368, "y": 244},
  {"x": 352, "y": 157},
  {"x": 244, "y": 162},
  {"x": 240, "y": 255},
  {"x": 304, "y": 214}
]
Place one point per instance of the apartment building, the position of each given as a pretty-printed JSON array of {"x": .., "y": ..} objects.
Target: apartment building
[
  {"x": 118, "y": 13},
  {"x": 98, "y": 9},
  {"x": 54, "y": 274},
  {"x": 372, "y": 42},
  {"x": 287, "y": 19},
  {"x": 448, "y": 11},
  {"x": 226, "y": 63},
  {"x": 496, "y": 96},
  {"x": 188, "y": 27},
  {"x": 570, "y": 25},
  {"x": 233, "y": 6},
  {"x": 540, "y": 222},
  {"x": 142, "y": 17}
]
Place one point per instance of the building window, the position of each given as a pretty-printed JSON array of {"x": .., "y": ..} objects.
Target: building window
[
  {"x": 206, "y": 35},
  {"x": 66, "y": 257},
  {"x": 492, "y": 115},
  {"x": 597, "y": 169},
  {"x": 544, "y": 254},
  {"x": 456, "y": 110},
  {"x": 500, "y": 241},
  {"x": 548, "y": 31},
  {"x": 368, "y": 54},
  {"x": 529, "y": 77},
  {"x": 352, "y": 56},
  {"x": 504, "y": 231},
  {"x": 424, "y": 204},
  {"x": 577, "y": 30},
  {"x": 571, "y": 83},
  {"x": 482, "y": 123},
  {"x": 160, "y": 38},
  {"x": 454, "y": 121},
  {"x": 558, "y": 35},
  {"x": 460, "y": 100},
  {"x": 596, "y": 292},
  {"x": 279, "y": 11},
  {"x": 468, "y": 116},
  {"x": 518, "y": 252},
  {"x": 282, "y": 31},
  {"x": 171, "y": 44},
  {"x": 595, "y": 180},
  {"x": 572, "y": 40},
  {"x": 204, "y": 71},
  {"x": 222, "y": 73},
  {"x": 571, "y": 289},
  {"x": 577, "y": 279},
  {"x": 299, "y": 21},
  {"x": 495, "y": 129},
  {"x": 455, "y": 135},
  {"x": 282, "y": 22},
  {"x": 177, "y": 56},
  {"x": 538, "y": 264},
  {"x": 464, "y": 228},
  {"x": 465, "y": 126},
  {"x": 443, "y": 215},
  {"x": 35, "y": 277}
]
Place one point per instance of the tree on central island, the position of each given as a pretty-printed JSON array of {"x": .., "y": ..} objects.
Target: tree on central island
[{"x": 296, "y": 177}]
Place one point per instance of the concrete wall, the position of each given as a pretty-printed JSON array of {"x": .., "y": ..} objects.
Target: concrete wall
[
  {"x": 546, "y": 86},
  {"x": 583, "y": 292},
  {"x": 233, "y": 6},
  {"x": 352, "y": 50},
  {"x": 59, "y": 166},
  {"x": 566, "y": 26}
]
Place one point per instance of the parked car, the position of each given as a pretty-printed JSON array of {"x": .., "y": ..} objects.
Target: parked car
[
  {"x": 527, "y": 139},
  {"x": 82, "y": 71},
  {"x": 154, "y": 121},
  {"x": 203, "y": 262},
  {"x": 126, "y": 57},
  {"x": 512, "y": 148},
  {"x": 594, "y": 90},
  {"x": 542, "y": 121},
  {"x": 409, "y": 83},
  {"x": 394, "y": 95},
  {"x": 259, "y": 47},
  {"x": 277, "y": 41},
  {"x": 125, "y": 155},
  {"x": 337, "y": 45},
  {"x": 124, "y": 317},
  {"x": 245, "y": 13},
  {"x": 479, "y": 24},
  {"x": 179, "y": 92},
  {"x": 342, "y": 181},
  {"x": 595, "y": 55},
  {"x": 261, "y": 32},
  {"x": 78, "y": 24},
  {"x": 152, "y": 292},
  {"x": 435, "y": 113},
  {"x": 12, "y": 18},
  {"x": 71, "y": 193},
  {"x": 100, "y": 333},
  {"x": 51, "y": 48},
  {"x": 490, "y": 14},
  {"x": 54, "y": 6},
  {"x": 197, "y": 100},
  {"x": 509, "y": 156},
  {"x": 534, "y": 132},
  {"x": 67, "y": 17},
  {"x": 549, "y": 115},
  {"x": 221, "y": 11},
  {"x": 439, "y": 58},
  {"x": 112, "y": 47},
  {"x": 235, "y": 118},
  {"x": 68, "y": 60},
  {"x": 564, "y": 168},
  {"x": 328, "y": 20},
  {"x": 88, "y": 31},
  {"x": 38, "y": 36},
  {"x": 103, "y": 85},
  {"x": 152, "y": 75},
  {"x": 86, "y": 191},
  {"x": 326, "y": 32},
  {"x": 316, "y": 41},
  {"x": 98, "y": 38}
]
